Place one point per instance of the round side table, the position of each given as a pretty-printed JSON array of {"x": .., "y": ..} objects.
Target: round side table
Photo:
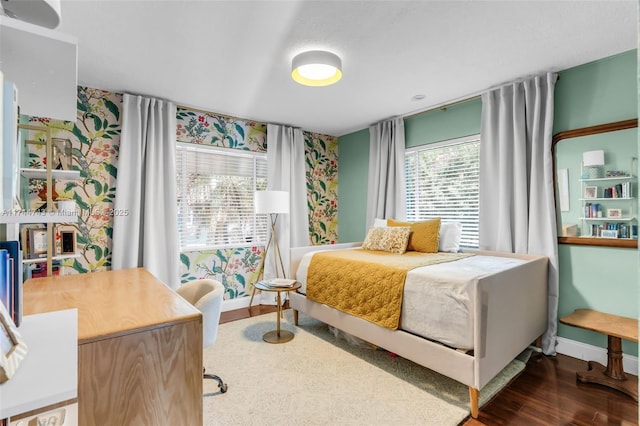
[{"x": 277, "y": 335}]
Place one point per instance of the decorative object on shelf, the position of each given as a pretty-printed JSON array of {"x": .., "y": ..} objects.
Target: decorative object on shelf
[
  {"x": 37, "y": 242},
  {"x": 61, "y": 154},
  {"x": 609, "y": 233},
  {"x": 66, "y": 205},
  {"x": 68, "y": 242},
  {"x": 43, "y": 193},
  {"x": 12, "y": 348},
  {"x": 616, "y": 173},
  {"x": 593, "y": 162},
  {"x": 570, "y": 231},
  {"x": 590, "y": 192},
  {"x": 614, "y": 213}
]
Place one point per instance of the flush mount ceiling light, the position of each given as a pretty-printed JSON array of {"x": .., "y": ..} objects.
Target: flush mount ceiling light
[{"x": 316, "y": 68}]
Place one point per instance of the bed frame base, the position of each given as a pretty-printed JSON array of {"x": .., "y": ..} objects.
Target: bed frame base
[{"x": 510, "y": 313}]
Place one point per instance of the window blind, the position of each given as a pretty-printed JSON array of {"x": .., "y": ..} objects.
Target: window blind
[
  {"x": 442, "y": 180},
  {"x": 215, "y": 190}
]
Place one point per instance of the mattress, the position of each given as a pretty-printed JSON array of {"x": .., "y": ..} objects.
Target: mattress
[{"x": 438, "y": 299}]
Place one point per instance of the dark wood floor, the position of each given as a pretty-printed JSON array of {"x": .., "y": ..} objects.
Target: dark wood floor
[{"x": 545, "y": 393}]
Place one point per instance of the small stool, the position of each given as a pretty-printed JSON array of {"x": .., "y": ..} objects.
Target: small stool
[{"x": 616, "y": 328}]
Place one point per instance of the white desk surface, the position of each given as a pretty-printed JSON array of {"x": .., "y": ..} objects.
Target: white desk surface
[{"x": 49, "y": 373}]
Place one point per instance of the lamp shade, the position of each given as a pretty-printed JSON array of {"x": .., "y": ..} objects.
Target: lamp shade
[
  {"x": 593, "y": 158},
  {"x": 316, "y": 68},
  {"x": 271, "y": 202}
]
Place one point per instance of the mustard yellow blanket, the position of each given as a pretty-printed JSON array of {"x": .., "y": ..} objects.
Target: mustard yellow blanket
[{"x": 365, "y": 283}]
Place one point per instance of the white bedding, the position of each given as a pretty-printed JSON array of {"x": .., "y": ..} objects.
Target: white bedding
[{"x": 438, "y": 299}]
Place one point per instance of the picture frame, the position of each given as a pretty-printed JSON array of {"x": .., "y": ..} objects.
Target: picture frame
[
  {"x": 614, "y": 213},
  {"x": 13, "y": 348},
  {"x": 68, "y": 242},
  {"x": 37, "y": 242},
  {"x": 609, "y": 233},
  {"x": 590, "y": 192}
]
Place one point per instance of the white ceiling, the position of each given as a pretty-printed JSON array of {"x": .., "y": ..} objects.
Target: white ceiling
[{"x": 234, "y": 57}]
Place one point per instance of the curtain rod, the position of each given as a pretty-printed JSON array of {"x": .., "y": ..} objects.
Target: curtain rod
[{"x": 444, "y": 106}]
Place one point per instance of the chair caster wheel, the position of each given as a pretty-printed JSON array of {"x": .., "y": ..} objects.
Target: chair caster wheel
[{"x": 223, "y": 388}]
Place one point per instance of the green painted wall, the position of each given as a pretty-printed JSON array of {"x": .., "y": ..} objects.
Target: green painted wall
[
  {"x": 353, "y": 164},
  {"x": 599, "y": 278},
  {"x": 432, "y": 126},
  {"x": 596, "y": 93},
  {"x": 590, "y": 277},
  {"x": 441, "y": 125}
]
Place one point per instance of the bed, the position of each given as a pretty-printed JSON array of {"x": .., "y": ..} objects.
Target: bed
[{"x": 504, "y": 311}]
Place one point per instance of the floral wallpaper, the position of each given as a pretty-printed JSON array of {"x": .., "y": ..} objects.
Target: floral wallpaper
[
  {"x": 321, "y": 157},
  {"x": 95, "y": 139},
  {"x": 201, "y": 127},
  {"x": 237, "y": 268}
]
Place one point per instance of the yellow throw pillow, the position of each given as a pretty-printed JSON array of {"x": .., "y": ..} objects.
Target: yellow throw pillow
[
  {"x": 393, "y": 240},
  {"x": 424, "y": 235}
]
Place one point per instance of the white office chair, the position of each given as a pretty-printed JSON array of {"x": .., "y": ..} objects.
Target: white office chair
[{"x": 206, "y": 296}]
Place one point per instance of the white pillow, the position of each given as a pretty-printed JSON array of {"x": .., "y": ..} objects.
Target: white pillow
[
  {"x": 450, "y": 233},
  {"x": 380, "y": 223}
]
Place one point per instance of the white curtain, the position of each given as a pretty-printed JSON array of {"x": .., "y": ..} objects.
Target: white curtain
[
  {"x": 386, "y": 190},
  {"x": 147, "y": 235},
  {"x": 286, "y": 172},
  {"x": 517, "y": 207}
]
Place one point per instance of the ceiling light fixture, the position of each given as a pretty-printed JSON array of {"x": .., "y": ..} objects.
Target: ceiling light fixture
[{"x": 316, "y": 68}]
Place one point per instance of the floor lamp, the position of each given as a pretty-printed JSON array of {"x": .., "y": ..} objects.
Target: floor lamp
[{"x": 272, "y": 203}]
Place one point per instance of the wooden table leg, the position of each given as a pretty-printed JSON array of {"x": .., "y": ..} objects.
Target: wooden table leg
[{"x": 613, "y": 374}]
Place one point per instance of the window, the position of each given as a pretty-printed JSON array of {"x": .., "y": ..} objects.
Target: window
[
  {"x": 215, "y": 188},
  {"x": 443, "y": 181}
]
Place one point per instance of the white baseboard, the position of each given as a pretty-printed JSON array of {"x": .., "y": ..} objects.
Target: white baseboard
[
  {"x": 261, "y": 298},
  {"x": 588, "y": 352},
  {"x": 239, "y": 303}
]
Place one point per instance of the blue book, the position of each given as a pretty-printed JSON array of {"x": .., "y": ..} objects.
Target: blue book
[
  {"x": 15, "y": 254},
  {"x": 5, "y": 281}
]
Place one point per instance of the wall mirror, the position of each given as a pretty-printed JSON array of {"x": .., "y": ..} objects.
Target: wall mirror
[{"x": 596, "y": 185}]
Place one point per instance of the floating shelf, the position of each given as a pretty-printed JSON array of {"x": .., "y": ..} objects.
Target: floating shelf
[
  {"x": 608, "y": 199},
  {"x": 55, "y": 174},
  {"x": 44, "y": 259},
  {"x": 608, "y": 219},
  {"x": 604, "y": 179}
]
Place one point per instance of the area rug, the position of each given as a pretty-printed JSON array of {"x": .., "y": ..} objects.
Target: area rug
[{"x": 324, "y": 377}]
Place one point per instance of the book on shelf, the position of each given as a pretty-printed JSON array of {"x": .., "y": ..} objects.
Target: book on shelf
[
  {"x": 15, "y": 265},
  {"x": 278, "y": 282}
]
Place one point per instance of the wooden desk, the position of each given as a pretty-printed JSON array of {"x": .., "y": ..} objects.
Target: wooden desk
[
  {"x": 139, "y": 346},
  {"x": 616, "y": 328}
]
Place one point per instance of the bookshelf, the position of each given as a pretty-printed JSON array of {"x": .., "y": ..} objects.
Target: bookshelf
[
  {"x": 25, "y": 215},
  {"x": 610, "y": 212}
]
